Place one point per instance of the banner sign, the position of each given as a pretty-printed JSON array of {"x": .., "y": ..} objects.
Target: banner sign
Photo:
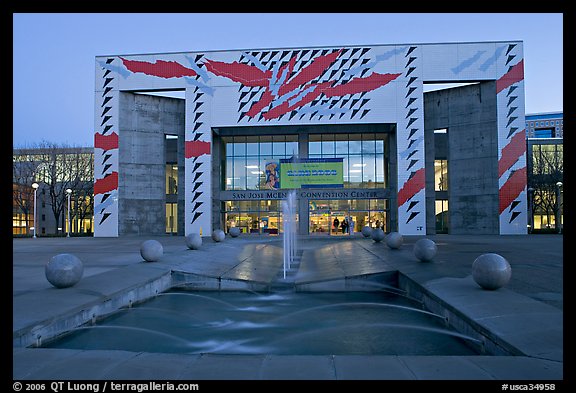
[{"x": 311, "y": 173}]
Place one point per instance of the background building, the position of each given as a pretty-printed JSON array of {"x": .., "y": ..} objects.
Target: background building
[
  {"x": 545, "y": 163},
  {"x": 55, "y": 169},
  {"x": 545, "y": 183},
  {"x": 545, "y": 125},
  {"x": 252, "y": 121}
]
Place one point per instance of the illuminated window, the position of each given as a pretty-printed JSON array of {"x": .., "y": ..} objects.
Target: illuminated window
[
  {"x": 441, "y": 175},
  {"x": 171, "y": 179}
]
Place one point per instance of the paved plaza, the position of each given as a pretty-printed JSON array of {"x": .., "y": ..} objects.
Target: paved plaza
[{"x": 525, "y": 318}]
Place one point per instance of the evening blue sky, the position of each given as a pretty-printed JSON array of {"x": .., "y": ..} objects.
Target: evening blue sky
[{"x": 54, "y": 54}]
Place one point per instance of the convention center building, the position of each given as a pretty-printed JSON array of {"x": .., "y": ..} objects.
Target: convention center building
[{"x": 191, "y": 142}]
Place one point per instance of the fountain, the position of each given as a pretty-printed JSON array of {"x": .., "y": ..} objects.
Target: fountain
[
  {"x": 290, "y": 230},
  {"x": 287, "y": 323}
]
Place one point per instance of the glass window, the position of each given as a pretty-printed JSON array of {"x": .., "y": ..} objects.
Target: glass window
[
  {"x": 239, "y": 173},
  {"x": 252, "y": 146},
  {"x": 229, "y": 181},
  {"x": 379, "y": 145},
  {"x": 253, "y": 173},
  {"x": 355, "y": 144},
  {"x": 368, "y": 144},
  {"x": 314, "y": 144},
  {"x": 359, "y": 204},
  {"x": 341, "y": 144},
  {"x": 291, "y": 145},
  {"x": 346, "y": 172},
  {"x": 228, "y": 146},
  {"x": 380, "y": 173},
  {"x": 239, "y": 146},
  {"x": 364, "y": 161},
  {"x": 171, "y": 179},
  {"x": 328, "y": 148},
  {"x": 369, "y": 172},
  {"x": 441, "y": 175},
  {"x": 355, "y": 170},
  {"x": 378, "y": 204},
  {"x": 279, "y": 146},
  {"x": 442, "y": 216},
  {"x": 266, "y": 145}
]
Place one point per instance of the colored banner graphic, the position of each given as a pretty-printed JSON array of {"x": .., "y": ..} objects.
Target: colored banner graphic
[
  {"x": 272, "y": 176},
  {"x": 312, "y": 173}
]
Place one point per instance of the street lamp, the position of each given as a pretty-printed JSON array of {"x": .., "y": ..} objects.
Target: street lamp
[
  {"x": 69, "y": 192},
  {"x": 35, "y": 187},
  {"x": 531, "y": 208},
  {"x": 559, "y": 213}
]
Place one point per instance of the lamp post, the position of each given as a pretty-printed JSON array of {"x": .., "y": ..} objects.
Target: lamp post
[
  {"x": 559, "y": 206},
  {"x": 69, "y": 192},
  {"x": 531, "y": 208},
  {"x": 35, "y": 187}
]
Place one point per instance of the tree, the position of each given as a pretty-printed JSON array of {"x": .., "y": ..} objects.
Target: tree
[
  {"x": 23, "y": 173},
  {"x": 547, "y": 169},
  {"x": 59, "y": 167},
  {"x": 83, "y": 194}
]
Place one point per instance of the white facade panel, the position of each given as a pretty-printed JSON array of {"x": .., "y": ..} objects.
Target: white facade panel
[{"x": 335, "y": 85}]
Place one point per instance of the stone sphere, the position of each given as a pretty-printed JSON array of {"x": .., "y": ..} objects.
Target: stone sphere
[
  {"x": 151, "y": 250},
  {"x": 193, "y": 241},
  {"x": 377, "y": 235},
  {"x": 218, "y": 235},
  {"x": 234, "y": 231},
  {"x": 491, "y": 271},
  {"x": 394, "y": 240},
  {"x": 367, "y": 231},
  {"x": 425, "y": 250},
  {"x": 64, "y": 270}
]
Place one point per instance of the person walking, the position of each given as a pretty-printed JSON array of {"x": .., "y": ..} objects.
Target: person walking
[
  {"x": 344, "y": 225},
  {"x": 351, "y": 223},
  {"x": 336, "y": 224}
]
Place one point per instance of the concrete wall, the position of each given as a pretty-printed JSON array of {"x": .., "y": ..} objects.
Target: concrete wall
[
  {"x": 144, "y": 120},
  {"x": 470, "y": 115}
]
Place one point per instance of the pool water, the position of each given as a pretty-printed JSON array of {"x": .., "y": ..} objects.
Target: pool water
[{"x": 290, "y": 323}]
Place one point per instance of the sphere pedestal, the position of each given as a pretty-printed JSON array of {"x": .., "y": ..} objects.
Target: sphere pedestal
[
  {"x": 425, "y": 250},
  {"x": 377, "y": 235},
  {"x": 394, "y": 240},
  {"x": 64, "y": 270},
  {"x": 234, "y": 231},
  {"x": 366, "y": 231},
  {"x": 218, "y": 235},
  {"x": 193, "y": 241},
  {"x": 151, "y": 250},
  {"x": 491, "y": 271}
]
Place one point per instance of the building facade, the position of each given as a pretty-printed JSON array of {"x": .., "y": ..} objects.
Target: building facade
[
  {"x": 545, "y": 125},
  {"x": 545, "y": 161},
  {"x": 349, "y": 129},
  {"x": 54, "y": 169}
]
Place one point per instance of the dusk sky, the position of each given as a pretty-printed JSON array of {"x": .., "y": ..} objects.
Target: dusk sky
[{"x": 54, "y": 54}]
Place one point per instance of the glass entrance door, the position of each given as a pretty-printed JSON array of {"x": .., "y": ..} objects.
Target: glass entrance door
[
  {"x": 319, "y": 222},
  {"x": 172, "y": 218},
  {"x": 337, "y": 218}
]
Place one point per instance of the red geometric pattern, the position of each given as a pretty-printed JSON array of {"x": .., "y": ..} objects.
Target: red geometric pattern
[
  {"x": 512, "y": 152},
  {"x": 411, "y": 187},
  {"x": 196, "y": 148},
  {"x": 106, "y": 142},
  {"x": 512, "y": 188},
  {"x": 516, "y": 74},
  {"x": 161, "y": 68},
  {"x": 106, "y": 184}
]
